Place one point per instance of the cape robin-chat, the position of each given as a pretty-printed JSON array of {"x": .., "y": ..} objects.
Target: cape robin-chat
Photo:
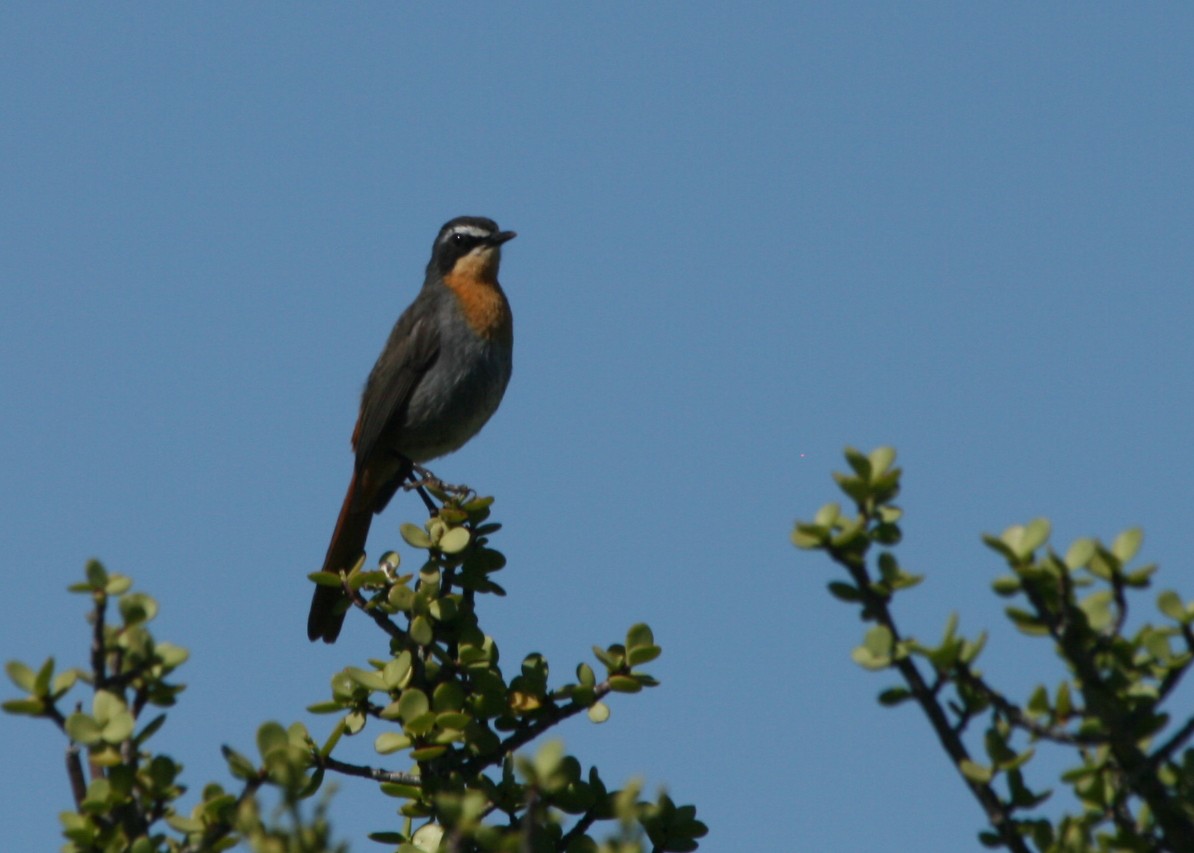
[{"x": 441, "y": 375}]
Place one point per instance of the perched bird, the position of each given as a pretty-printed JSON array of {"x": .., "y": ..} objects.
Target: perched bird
[{"x": 441, "y": 375}]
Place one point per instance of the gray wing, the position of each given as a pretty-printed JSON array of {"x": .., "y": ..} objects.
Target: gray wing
[{"x": 411, "y": 349}]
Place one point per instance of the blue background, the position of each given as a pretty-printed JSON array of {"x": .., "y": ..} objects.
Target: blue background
[{"x": 750, "y": 234}]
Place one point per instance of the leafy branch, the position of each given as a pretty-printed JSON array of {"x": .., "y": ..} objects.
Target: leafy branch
[
  {"x": 1133, "y": 794},
  {"x": 438, "y": 696},
  {"x": 442, "y": 699}
]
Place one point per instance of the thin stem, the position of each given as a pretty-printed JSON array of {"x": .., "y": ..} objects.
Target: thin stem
[
  {"x": 876, "y": 604},
  {"x": 550, "y": 716},
  {"x": 1017, "y": 717},
  {"x": 374, "y": 773}
]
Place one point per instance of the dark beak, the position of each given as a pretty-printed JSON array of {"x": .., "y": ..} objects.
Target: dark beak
[{"x": 502, "y": 237}]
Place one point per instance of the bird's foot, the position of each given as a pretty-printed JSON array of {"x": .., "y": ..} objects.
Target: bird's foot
[{"x": 423, "y": 479}]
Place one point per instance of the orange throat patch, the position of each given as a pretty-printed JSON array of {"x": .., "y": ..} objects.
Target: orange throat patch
[{"x": 475, "y": 284}]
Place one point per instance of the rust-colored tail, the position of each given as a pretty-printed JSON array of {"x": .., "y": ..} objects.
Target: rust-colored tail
[{"x": 348, "y": 543}]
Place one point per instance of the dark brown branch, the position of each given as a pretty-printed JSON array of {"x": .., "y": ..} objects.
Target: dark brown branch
[
  {"x": 998, "y": 813},
  {"x": 1171, "y": 681},
  {"x": 1166, "y": 750},
  {"x": 374, "y": 773},
  {"x": 1018, "y": 718},
  {"x": 550, "y": 716},
  {"x": 99, "y": 663},
  {"x": 1074, "y": 640},
  {"x": 74, "y": 772},
  {"x": 578, "y": 829}
]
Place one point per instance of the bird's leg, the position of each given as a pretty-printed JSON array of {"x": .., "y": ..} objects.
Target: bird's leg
[{"x": 421, "y": 477}]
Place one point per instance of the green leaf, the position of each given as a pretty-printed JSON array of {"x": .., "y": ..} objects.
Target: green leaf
[
  {"x": 329, "y": 707},
  {"x": 585, "y": 675},
  {"x": 893, "y": 696},
  {"x": 413, "y": 703},
  {"x": 443, "y": 609},
  {"x": 397, "y": 789},
  {"x": 271, "y": 736},
  {"x": 827, "y": 515},
  {"x": 1127, "y": 544},
  {"x": 148, "y": 730},
  {"x": 598, "y": 712},
  {"x": 1023, "y": 540},
  {"x": 1097, "y": 607},
  {"x": 187, "y": 825},
  {"x": 106, "y": 705},
  {"x": 401, "y": 597},
  {"x": 1080, "y": 553},
  {"x": 1006, "y": 585},
  {"x": 997, "y": 544},
  {"x": 448, "y": 696},
  {"x": 1063, "y": 705},
  {"x": 83, "y": 729},
  {"x": 390, "y": 838},
  {"x": 428, "y": 838},
  {"x": 854, "y": 487},
  {"x": 388, "y": 742},
  {"x": 21, "y": 675},
  {"x": 171, "y": 656},
  {"x": 30, "y": 707},
  {"x": 614, "y": 657},
  {"x": 860, "y": 463},
  {"x": 547, "y": 760},
  {"x": 118, "y": 585},
  {"x": 639, "y": 635},
  {"x": 845, "y": 591},
  {"x": 810, "y": 536},
  {"x": 851, "y": 531},
  {"x": 415, "y": 536},
  {"x": 624, "y": 684},
  {"x": 119, "y": 728},
  {"x": 880, "y": 460},
  {"x": 239, "y": 765},
  {"x": 975, "y": 772},
  {"x": 428, "y": 753},
  {"x": 454, "y": 541},
  {"x": 878, "y": 640},
  {"x": 374, "y": 579},
  {"x": 1139, "y": 577},
  {"x": 452, "y": 720},
  {"x": 1170, "y": 604},
  {"x": 971, "y": 649},
  {"x": 421, "y": 631},
  {"x": 420, "y": 726},
  {"x": 97, "y": 576},
  {"x": 951, "y": 627},
  {"x": 642, "y": 654},
  {"x": 876, "y": 649},
  {"x": 369, "y": 679},
  {"x": 1026, "y": 622},
  {"x": 397, "y": 672}
]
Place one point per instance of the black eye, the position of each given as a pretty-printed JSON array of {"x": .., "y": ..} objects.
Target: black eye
[{"x": 459, "y": 239}]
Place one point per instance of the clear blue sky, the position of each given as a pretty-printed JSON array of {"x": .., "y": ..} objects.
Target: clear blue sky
[{"x": 749, "y": 235}]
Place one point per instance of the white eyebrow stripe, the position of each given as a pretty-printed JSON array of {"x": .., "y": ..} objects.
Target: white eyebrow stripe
[{"x": 471, "y": 230}]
